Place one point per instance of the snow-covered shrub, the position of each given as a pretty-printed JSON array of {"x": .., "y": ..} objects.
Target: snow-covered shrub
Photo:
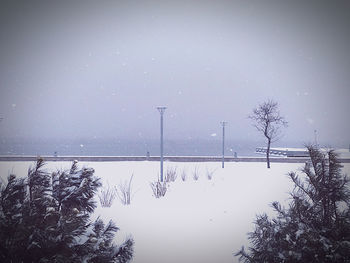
[
  {"x": 46, "y": 218},
  {"x": 171, "y": 174},
  {"x": 106, "y": 196},
  {"x": 195, "y": 173},
  {"x": 316, "y": 225},
  {"x": 124, "y": 191},
  {"x": 159, "y": 188}
]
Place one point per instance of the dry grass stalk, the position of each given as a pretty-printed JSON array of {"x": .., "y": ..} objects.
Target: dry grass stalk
[
  {"x": 124, "y": 191},
  {"x": 183, "y": 175},
  {"x": 210, "y": 173},
  {"x": 159, "y": 188},
  {"x": 106, "y": 196},
  {"x": 171, "y": 174},
  {"x": 195, "y": 173}
]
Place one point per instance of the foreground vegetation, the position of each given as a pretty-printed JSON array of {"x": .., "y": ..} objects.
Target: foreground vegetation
[
  {"x": 316, "y": 225},
  {"x": 46, "y": 218}
]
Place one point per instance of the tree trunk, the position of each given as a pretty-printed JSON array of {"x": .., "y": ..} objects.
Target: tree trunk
[{"x": 268, "y": 153}]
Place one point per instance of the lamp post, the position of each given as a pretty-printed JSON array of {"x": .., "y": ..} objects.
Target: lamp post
[
  {"x": 161, "y": 111},
  {"x": 223, "y": 123}
]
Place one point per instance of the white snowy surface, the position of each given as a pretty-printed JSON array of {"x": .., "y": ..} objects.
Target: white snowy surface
[{"x": 196, "y": 221}]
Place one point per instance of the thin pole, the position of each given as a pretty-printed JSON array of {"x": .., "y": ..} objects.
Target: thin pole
[
  {"x": 223, "y": 123},
  {"x": 161, "y": 111},
  {"x": 161, "y": 147}
]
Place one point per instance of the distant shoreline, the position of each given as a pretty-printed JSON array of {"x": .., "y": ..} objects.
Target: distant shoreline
[{"x": 156, "y": 158}]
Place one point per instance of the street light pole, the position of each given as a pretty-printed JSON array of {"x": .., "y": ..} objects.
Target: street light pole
[
  {"x": 223, "y": 123},
  {"x": 161, "y": 111}
]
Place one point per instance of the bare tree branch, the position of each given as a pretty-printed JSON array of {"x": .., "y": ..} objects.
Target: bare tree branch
[{"x": 266, "y": 119}]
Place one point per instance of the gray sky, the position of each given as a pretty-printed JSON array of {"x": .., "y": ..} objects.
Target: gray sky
[{"x": 99, "y": 68}]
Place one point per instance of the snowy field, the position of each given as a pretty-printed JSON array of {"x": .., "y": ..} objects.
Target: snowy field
[{"x": 198, "y": 220}]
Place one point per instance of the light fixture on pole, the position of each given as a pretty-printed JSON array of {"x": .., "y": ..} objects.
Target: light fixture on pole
[
  {"x": 223, "y": 123},
  {"x": 161, "y": 111}
]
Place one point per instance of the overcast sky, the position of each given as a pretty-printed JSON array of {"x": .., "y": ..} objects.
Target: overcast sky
[{"x": 71, "y": 69}]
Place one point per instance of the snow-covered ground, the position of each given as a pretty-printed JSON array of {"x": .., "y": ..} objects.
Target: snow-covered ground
[{"x": 196, "y": 221}]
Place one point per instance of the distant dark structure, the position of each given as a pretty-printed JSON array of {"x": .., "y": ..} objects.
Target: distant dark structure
[{"x": 287, "y": 152}]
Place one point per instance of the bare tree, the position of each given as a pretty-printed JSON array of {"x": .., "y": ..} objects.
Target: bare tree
[{"x": 267, "y": 119}]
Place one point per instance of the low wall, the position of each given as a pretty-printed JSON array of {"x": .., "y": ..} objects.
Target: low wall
[{"x": 156, "y": 158}]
